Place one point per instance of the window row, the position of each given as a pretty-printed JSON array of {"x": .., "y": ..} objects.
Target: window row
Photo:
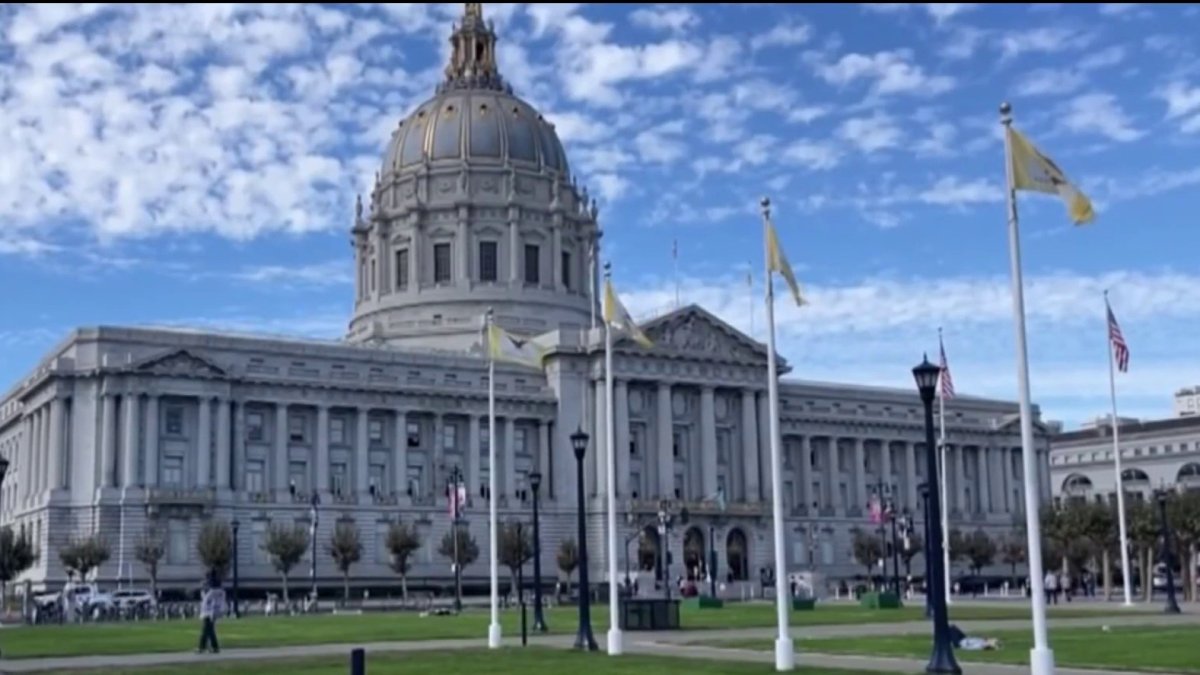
[{"x": 487, "y": 266}]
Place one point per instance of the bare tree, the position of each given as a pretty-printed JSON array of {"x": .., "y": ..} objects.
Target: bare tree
[
  {"x": 516, "y": 549},
  {"x": 214, "y": 545},
  {"x": 467, "y": 551},
  {"x": 81, "y": 556},
  {"x": 402, "y": 541},
  {"x": 568, "y": 558},
  {"x": 286, "y": 545},
  {"x": 149, "y": 551},
  {"x": 346, "y": 549}
]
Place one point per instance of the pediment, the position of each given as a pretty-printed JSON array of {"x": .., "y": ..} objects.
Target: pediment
[
  {"x": 180, "y": 362},
  {"x": 1013, "y": 423},
  {"x": 694, "y": 331}
]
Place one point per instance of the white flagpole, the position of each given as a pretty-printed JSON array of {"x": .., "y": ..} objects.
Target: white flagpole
[
  {"x": 592, "y": 250},
  {"x": 750, "y": 288},
  {"x": 785, "y": 655},
  {"x": 493, "y": 535},
  {"x": 1116, "y": 439},
  {"x": 1041, "y": 657},
  {"x": 941, "y": 456},
  {"x": 615, "y": 646}
]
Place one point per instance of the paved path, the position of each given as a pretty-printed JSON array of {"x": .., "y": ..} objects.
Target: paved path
[{"x": 665, "y": 644}]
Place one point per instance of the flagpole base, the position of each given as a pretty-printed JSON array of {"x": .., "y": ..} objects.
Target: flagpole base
[
  {"x": 616, "y": 642},
  {"x": 785, "y": 654},
  {"x": 1041, "y": 661},
  {"x": 494, "y": 636}
]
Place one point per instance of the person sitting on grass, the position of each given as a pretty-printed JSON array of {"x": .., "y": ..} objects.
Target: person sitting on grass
[{"x": 962, "y": 641}]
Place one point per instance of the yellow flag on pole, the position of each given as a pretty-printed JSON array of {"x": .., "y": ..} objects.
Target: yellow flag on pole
[
  {"x": 504, "y": 346},
  {"x": 1035, "y": 172},
  {"x": 617, "y": 317},
  {"x": 778, "y": 262}
]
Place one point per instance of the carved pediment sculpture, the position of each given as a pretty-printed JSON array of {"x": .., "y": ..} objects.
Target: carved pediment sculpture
[
  {"x": 691, "y": 332},
  {"x": 182, "y": 363}
]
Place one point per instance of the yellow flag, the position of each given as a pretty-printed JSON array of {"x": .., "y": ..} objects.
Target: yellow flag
[
  {"x": 778, "y": 262},
  {"x": 616, "y": 317},
  {"x": 503, "y": 346},
  {"x": 1035, "y": 172}
]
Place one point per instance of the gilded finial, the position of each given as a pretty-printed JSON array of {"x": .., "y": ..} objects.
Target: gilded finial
[
  {"x": 473, "y": 10},
  {"x": 358, "y": 207},
  {"x": 595, "y": 210}
]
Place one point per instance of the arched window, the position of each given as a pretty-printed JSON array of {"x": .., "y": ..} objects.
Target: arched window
[{"x": 737, "y": 555}]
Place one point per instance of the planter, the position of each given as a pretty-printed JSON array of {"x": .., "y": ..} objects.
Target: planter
[
  {"x": 704, "y": 602},
  {"x": 884, "y": 600},
  {"x": 804, "y": 604}
]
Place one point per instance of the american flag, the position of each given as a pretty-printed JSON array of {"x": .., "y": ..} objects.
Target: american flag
[
  {"x": 1120, "y": 349},
  {"x": 946, "y": 382}
]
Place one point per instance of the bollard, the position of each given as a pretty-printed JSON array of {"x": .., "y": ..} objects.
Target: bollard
[{"x": 358, "y": 662}]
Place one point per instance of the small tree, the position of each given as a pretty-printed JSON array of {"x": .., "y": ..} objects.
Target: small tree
[
  {"x": 957, "y": 545},
  {"x": 345, "y": 549},
  {"x": 868, "y": 551},
  {"x": 16, "y": 556},
  {"x": 568, "y": 558},
  {"x": 286, "y": 546},
  {"x": 467, "y": 550},
  {"x": 516, "y": 548},
  {"x": 1012, "y": 551},
  {"x": 980, "y": 550},
  {"x": 402, "y": 540},
  {"x": 214, "y": 545},
  {"x": 149, "y": 551},
  {"x": 81, "y": 556}
]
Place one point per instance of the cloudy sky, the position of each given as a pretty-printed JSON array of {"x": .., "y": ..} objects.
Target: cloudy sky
[{"x": 197, "y": 165}]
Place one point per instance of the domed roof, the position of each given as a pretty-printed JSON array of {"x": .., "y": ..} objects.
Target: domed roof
[{"x": 474, "y": 115}]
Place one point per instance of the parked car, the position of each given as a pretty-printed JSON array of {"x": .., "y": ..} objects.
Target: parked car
[{"x": 134, "y": 598}]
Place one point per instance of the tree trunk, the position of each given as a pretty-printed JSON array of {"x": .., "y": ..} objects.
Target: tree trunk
[
  {"x": 285, "y": 588},
  {"x": 404, "y": 587},
  {"x": 1107, "y": 572},
  {"x": 345, "y": 587},
  {"x": 1147, "y": 574}
]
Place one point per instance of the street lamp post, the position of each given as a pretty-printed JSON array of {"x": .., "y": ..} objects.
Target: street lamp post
[
  {"x": 942, "y": 659},
  {"x": 539, "y": 621},
  {"x": 712, "y": 561},
  {"x": 314, "y": 504},
  {"x": 3, "y": 470},
  {"x": 584, "y": 638},
  {"x": 236, "y": 612},
  {"x": 453, "y": 485},
  {"x": 927, "y": 554},
  {"x": 891, "y": 513},
  {"x": 664, "y": 545},
  {"x": 1168, "y": 552}
]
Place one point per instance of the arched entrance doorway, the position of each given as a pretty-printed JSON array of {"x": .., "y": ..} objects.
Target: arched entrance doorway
[
  {"x": 648, "y": 551},
  {"x": 693, "y": 554},
  {"x": 736, "y": 555}
]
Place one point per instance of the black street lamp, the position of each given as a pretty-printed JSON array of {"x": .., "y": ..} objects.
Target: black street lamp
[
  {"x": 892, "y": 516},
  {"x": 584, "y": 638},
  {"x": 712, "y": 561},
  {"x": 453, "y": 484},
  {"x": 314, "y": 512},
  {"x": 3, "y": 471},
  {"x": 942, "y": 659},
  {"x": 1168, "y": 552},
  {"x": 236, "y": 525},
  {"x": 539, "y": 620},
  {"x": 924, "y": 488},
  {"x": 665, "y": 520}
]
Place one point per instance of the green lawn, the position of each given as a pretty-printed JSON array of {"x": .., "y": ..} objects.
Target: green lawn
[
  {"x": 171, "y": 636},
  {"x": 1152, "y": 649},
  {"x": 513, "y": 661}
]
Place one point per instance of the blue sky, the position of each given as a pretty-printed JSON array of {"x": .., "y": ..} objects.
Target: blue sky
[{"x": 197, "y": 165}]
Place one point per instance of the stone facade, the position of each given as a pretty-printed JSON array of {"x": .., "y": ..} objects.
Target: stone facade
[{"x": 122, "y": 429}]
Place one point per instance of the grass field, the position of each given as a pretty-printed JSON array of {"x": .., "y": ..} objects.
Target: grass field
[
  {"x": 1151, "y": 649},
  {"x": 530, "y": 661},
  {"x": 173, "y": 636}
]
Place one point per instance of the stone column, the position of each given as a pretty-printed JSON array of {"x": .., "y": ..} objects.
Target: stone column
[
  {"x": 204, "y": 443},
  {"x": 54, "y": 466},
  {"x": 438, "y": 451},
  {"x": 595, "y": 454},
  {"x": 514, "y": 252},
  {"x": 764, "y": 446},
  {"x": 362, "y": 451},
  {"x": 28, "y": 447},
  {"x": 510, "y": 454},
  {"x": 750, "y": 445},
  {"x": 108, "y": 441},
  {"x": 982, "y": 477},
  {"x": 665, "y": 421},
  {"x": 280, "y": 460},
  {"x": 400, "y": 459},
  {"x": 474, "y": 461},
  {"x": 860, "y": 474},
  {"x": 40, "y": 445},
  {"x": 805, "y": 474},
  {"x": 223, "y": 449},
  {"x": 150, "y": 447},
  {"x": 543, "y": 459},
  {"x": 708, "y": 442},
  {"x": 129, "y": 453},
  {"x": 416, "y": 257},
  {"x": 910, "y": 476},
  {"x": 621, "y": 444},
  {"x": 885, "y": 468},
  {"x": 960, "y": 479},
  {"x": 321, "y": 470},
  {"x": 832, "y": 475},
  {"x": 462, "y": 239},
  {"x": 239, "y": 446},
  {"x": 556, "y": 256}
]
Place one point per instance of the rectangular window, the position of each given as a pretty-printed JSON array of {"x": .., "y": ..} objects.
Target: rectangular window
[
  {"x": 375, "y": 478},
  {"x": 382, "y": 555},
  {"x": 177, "y": 542},
  {"x": 259, "y": 545},
  {"x": 402, "y": 269},
  {"x": 520, "y": 441},
  {"x": 296, "y": 427},
  {"x": 254, "y": 427},
  {"x": 337, "y": 479},
  {"x": 566, "y": 270},
  {"x": 254, "y": 475},
  {"x": 441, "y": 263},
  {"x": 298, "y": 475},
  {"x": 414, "y": 481},
  {"x": 372, "y": 275},
  {"x": 488, "y": 270},
  {"x": 337, "y": 430},
  {"x": 375, "y": 430},
  {"x": 413, "y": 430},
  {"x": 449, "y": 437},
  {"x": 172, "y": 472},
  {"x": 174, "y": 423},
  {"x": 532, "y": 264}
]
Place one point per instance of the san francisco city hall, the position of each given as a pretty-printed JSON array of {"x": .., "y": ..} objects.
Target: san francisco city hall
[{"x": 119, "y": 429}]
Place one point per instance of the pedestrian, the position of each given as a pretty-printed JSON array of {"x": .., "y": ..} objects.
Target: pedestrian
[
  {"x": 212, "y": 607},
  {"x": 1051, "y": 584}
]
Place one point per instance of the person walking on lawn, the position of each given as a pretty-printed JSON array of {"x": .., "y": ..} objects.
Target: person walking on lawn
[{"x": 212, "y": 607}]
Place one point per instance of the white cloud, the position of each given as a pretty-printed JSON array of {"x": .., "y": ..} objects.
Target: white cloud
[
  {"x": 940, "y": 12},
  {"x": 610, "y": 186},
  {"x": 661, "y": 144},
  {"x": 330, "y": 273},
  {"x": 1116, "y": 8},
  {"x": 963, "y": 42},
  {"x": 807, "y": 114},
  {"x": 1049, "y": 82},
  {"x": 870, "y": 134},
  {"x": 790, "y": 34},
  {"x": 665, "y": 17},
  {"x": 1045, "y": 39},
  {"x": 1109, "y": 56},
  {"x": 939, "y": 142},
  {"x": 577, "y": 127},
  {"x": 756, "y": 150},
  {"x": 814, "y": 155},
  {"x": 1183, "y": 104},
  {"x": 1099, "y": 113},
  {"x": 952, "y": 191},
  {"x": 891, "y": 71}
]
